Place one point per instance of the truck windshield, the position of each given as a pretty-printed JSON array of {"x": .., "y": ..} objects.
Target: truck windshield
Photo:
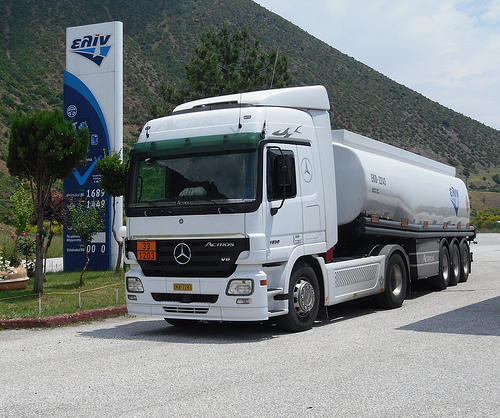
[{"x": 194, "y": 180}]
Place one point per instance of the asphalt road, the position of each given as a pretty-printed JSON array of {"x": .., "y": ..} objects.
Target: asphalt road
[{"x": 438, "y": 355}]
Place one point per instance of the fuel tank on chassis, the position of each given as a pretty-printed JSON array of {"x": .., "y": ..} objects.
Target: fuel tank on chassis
[{"x": 376, "y": 178}]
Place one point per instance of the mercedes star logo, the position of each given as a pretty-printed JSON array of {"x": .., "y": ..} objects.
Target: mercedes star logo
[
  {"x": 182, "y": 253},
  {"x": 306, "y": 170}
]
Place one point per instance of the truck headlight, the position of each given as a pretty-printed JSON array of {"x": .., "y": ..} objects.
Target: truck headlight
[
  {"x": 239, "y": 287},
  {"x": 134, "y": 285}
]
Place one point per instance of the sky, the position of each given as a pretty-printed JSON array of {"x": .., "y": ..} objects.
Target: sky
[{"x": 447, "y": 50}]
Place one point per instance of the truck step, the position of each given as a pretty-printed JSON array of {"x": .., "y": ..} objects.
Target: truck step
[
  {"x": 277, "y": 312},
  {"x": 274, "y": 291}
]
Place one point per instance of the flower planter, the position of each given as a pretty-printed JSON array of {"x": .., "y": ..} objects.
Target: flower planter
[{"x": 14, "y": 281}]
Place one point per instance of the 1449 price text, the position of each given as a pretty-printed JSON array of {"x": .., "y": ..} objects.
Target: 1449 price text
[{"x": 101, "y": 203}]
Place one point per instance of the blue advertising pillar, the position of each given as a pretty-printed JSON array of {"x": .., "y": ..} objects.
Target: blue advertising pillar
[{"x": 93, "y": 98}]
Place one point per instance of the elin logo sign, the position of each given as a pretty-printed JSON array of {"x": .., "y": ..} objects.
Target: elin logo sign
[
  {"x": 455, "y": 200},
  {"x": 94, "y": 47}
]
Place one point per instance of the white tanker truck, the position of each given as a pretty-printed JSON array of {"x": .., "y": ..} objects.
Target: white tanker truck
[{"x": 248, "y": 207}]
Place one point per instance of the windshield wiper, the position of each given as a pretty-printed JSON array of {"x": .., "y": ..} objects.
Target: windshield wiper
[
  {"x": 199, "y": 202},
  {"x": 162, "y": 209}
]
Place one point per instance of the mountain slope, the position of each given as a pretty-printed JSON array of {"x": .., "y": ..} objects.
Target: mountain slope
[{"x": 160, "y": 36}]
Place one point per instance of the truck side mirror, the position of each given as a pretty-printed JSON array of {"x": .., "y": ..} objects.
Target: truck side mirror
[
  {"x": 283, "y": 173},
  {"x": 281, "y": 182}
]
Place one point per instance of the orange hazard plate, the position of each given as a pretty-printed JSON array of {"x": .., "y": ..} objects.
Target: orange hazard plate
[{"x": 146, "y": 250}]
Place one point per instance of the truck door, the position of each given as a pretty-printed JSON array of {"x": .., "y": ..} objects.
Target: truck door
[
  {"x": 307, "y": 180},
  {"x": 284, "y": 204}
]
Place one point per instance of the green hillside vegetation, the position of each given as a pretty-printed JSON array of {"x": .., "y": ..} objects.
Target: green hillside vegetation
[{"x": 159, "y": 38}]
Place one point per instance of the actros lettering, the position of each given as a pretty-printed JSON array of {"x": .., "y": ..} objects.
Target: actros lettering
[{"x": 219, "y": 244}]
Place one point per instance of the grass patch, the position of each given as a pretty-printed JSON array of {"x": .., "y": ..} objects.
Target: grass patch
[
  {"x": 61, "y": 295},
  {"x": 7, "y": 243},
  {"x": 56, "y": 247}
]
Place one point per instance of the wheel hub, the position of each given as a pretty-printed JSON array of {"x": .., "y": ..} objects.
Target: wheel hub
[
  {"x": 456, "y": 264},
  {"x": 446, "y": 267},
  {"x": 465, "y": 262},
  {"x": 303, "y": 297},
  {"x": 396, "y": 279}
]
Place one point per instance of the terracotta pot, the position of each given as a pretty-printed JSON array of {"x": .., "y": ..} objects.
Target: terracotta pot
[{"x": 14, "y": 281}]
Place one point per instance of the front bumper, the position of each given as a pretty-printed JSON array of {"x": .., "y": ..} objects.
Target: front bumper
[{"x": 207, "y": 301}]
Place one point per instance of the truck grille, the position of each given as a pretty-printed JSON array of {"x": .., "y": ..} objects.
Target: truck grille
[
  {"x": 184, "y": 297},
  {"x": 193, "y": 257},
  {"x": 185, "y": 310}
]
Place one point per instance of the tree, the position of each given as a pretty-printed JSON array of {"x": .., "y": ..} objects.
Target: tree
[
  {"x": 22, "y": 208},
  {"x": 85, "y": 222},
  {"x": 55, "y": 213},
  {"x": 226, "y": 62},
  {"x": 43, "y": 148},
  {"x": 112, "y": 171}
]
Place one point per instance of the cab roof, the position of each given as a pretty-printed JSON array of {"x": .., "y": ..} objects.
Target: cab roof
[{"x": 310, "y": 97}]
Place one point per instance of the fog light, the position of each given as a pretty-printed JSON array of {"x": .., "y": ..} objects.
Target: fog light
[
  {"x": 134, "y": 285},
  {"x": 132, "y": 297},
  {"x": 246, "y": 301},
  {"x": 240, "y": 287}
]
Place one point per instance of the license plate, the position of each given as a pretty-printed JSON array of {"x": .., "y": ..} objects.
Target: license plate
[
  {"x": 146, "y": 250},
  {"x": 183, "y": 287}
]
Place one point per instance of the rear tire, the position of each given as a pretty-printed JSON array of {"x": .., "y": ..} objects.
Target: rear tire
[
  {"x": 464, "y": 261},
  {"x": 456, "y": 264},
  {"x": 303, "y": 300},
  {"x": 396, "y": 283},
  {"x": 441, "y": 281}
]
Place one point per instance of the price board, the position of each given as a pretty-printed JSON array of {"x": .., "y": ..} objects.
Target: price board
[
  {"x": 93, "y": 99},
  {"x": 81, "y": 187}
]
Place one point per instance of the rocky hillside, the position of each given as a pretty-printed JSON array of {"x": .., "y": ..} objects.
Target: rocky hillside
[{"x": 160, "y": 36}]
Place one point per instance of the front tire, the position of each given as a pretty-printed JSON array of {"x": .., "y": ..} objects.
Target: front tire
[{"x": 303, "y": 300}]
